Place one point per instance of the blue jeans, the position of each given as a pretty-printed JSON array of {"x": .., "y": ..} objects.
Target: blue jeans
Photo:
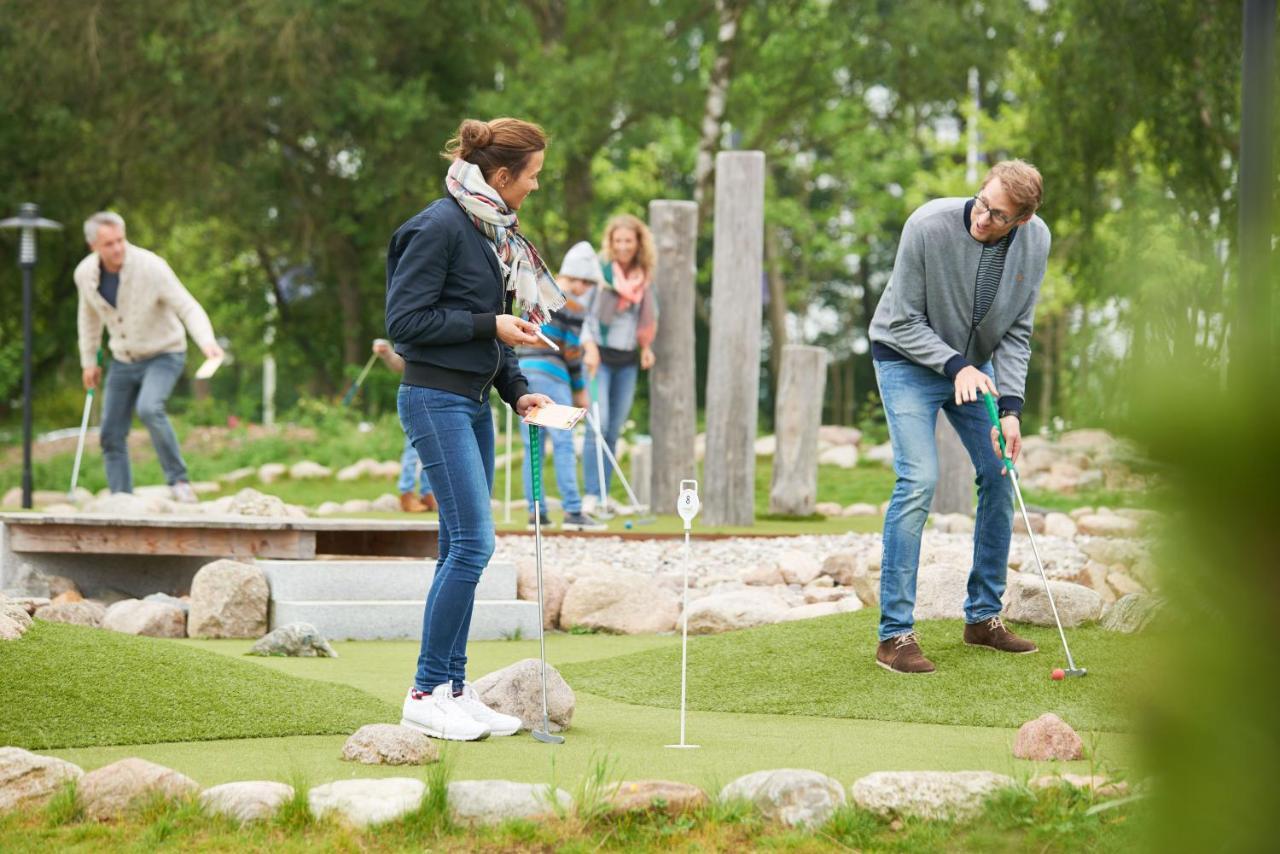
[
  {"x": 912, "y": 396},
  {"x": 566, "y": 458},
  {"x": 454, "y": 437},
  {"x": 617, "y": 388},
  {"x": 144, "y": 386},
  {"x": 411, "y": 470}
]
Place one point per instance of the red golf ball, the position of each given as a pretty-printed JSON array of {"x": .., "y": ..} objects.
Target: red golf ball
[{"x": 1058, "y": 674}]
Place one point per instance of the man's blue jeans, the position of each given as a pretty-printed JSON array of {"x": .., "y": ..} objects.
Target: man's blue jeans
[
  {"x": 145, "y": 386},
  {"x": 411, "y": 470},
  {"x": 454, "y": 437},
  {"x": 617, "y": 388},
  {"x": 912, "y": 396},
  {"x": 566, "y": 459}
]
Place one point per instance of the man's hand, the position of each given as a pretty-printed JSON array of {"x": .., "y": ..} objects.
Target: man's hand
[
  {"x": 581, "y": 399},
  {"x": 514, "y": 331},
  {"x": 1012, "y": 429},
  {"x": 213, "y": 351},
  {"x": 647, "y": 359},
  {"x": 590, "y": 357},
  {"x": 531, "y": 401},
  {"x": 382, "y": 347},
  {"x": 971, "y": 382},
  {"x": 91, "y": 377}
]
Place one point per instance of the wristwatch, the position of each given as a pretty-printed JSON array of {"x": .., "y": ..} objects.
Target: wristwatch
[{"x": 1005, "y": 413}]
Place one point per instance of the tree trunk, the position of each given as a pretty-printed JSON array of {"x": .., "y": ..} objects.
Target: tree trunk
[
  {"x": 955, "y": 471},
  {"x": 733, "y": 372},
  {"x": 777, "y": 309},
  {"x": 673, "y": 400},
  {"x": 797, "y": 417},
  {"x": 729, "y": 13},
  {"x": 579, "y": 193}
]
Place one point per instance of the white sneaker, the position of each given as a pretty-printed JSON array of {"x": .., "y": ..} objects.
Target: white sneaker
[
  {"x": 439, "y": 716},
  {"x": 498, "y": 723}
]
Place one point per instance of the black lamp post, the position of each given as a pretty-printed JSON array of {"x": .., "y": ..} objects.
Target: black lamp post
[{"x": 27, "y": 220}]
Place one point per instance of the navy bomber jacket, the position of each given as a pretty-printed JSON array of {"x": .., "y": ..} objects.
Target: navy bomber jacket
[{"x": 444, "y": 293}]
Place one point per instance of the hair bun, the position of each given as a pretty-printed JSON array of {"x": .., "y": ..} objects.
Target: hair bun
[{"x": 474, "y": 134}]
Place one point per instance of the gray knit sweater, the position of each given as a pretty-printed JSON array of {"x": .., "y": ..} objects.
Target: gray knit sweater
[{"x": 926, "y": 311}]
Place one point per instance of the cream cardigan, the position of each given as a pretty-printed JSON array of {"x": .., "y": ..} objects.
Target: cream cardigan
[{"x": 151, "y": 309}]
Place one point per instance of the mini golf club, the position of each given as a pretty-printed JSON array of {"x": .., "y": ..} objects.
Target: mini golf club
[
  {"x": 355, "y": 386},
  {"x": 994, "y": 415},
  {"x": 84, "y": 428},
  {"x": 535, "y": 461},
  {"x": 617, "y": 469},
  {"x": 687, "y": 505}
]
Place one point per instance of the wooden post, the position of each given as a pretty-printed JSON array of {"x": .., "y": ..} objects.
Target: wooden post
[
  {"x": 955, "y": 471},
  {"x": 801, "y": 387},
  {"x": 673, "y": 399},
  {"x": 641, "y": 452},
  {"x": 733, "y": 369}
]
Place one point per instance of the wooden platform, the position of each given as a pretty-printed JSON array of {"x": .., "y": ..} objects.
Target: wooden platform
[{"x": 218, "y": 536}]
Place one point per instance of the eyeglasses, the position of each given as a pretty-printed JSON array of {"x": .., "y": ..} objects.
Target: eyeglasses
[{"x": 980, "y": 205}]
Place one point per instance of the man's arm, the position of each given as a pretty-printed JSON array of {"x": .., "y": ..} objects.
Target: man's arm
[
  {"x": 909, "y": 319},
  {"x": 189, "y": 311},
  {"x": 89, "y": 333}
]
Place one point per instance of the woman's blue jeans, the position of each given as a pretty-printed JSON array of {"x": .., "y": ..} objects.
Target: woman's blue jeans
[
  {"x": 454, "y": 438},
  {"x": 912, "y": 396},
  {"x": 617, "y": 388}
]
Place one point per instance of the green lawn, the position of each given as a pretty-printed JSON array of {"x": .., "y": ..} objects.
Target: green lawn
[
  {"x": 69, "y": 686},
  {"x": 826, "y": 667}
]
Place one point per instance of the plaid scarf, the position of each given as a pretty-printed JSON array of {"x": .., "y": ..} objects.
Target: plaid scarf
[{"x": 523, "y": 271}]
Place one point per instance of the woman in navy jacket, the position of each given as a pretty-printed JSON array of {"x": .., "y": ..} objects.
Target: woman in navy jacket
[{"x": 459, "y": 274}]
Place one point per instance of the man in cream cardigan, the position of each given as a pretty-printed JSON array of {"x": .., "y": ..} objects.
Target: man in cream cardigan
[{"x": 148, "y": 313}]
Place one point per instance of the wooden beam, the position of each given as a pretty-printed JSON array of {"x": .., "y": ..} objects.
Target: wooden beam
[{"x": 186, "y": 541}]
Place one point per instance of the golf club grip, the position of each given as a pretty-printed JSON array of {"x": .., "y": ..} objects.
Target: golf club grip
[
  {"x": 535, "y": 463},
  {"x": 994, "y": 415}
]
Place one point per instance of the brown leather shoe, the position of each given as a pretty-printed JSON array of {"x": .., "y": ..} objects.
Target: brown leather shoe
[
  {"x": 409, "y": 503},
  {"x": 902, "y": 655},
  {"x": 993, "y": 635},
  {"x": 429, "y": 503}
]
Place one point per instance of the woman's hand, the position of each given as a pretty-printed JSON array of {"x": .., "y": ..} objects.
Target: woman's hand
[
  {"x": 590, "y": 357},
  {"x": 514, "y": 331},
  {"x": 528, "y": 402},
  {"x": 647, "y": 359}
]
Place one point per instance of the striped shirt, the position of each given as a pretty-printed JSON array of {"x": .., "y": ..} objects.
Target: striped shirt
[{"x": 990, "y": 271}]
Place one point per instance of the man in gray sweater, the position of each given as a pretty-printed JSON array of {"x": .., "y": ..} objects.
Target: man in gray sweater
[{"x": 955, "y": 321}]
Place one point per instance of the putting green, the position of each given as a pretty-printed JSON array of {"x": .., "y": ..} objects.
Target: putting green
[{"x": 628, "y": 738}]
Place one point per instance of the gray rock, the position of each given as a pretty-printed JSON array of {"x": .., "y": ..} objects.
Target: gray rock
[
  {"x": 1025, "y": 601},
  {"x": 935, "y": 795},
  {"x": 364, "y": 803},
  {"x": 798, "y": 567},
  {"x": 30, "y": 604},
  {"x": 11, "y": 629},
  {"x": 109, "y": 791},
  {"x": 517, "y": 690},
  {"x": 1132, "y": 614},
  {"x": 271, "y": 472},
  {"x": 168, "y": 600},
  {"x": 1048, "y": 737},
  {"x": 483, "y": 802},
  {"x": 127, "y": 505},
  {"x": 654, "y": 796},
  {"x": 386, "y": 503},
  {"x": 251, "y": 502},
  {"x": 1109, "y": 525},
  {"x": 27, "y": 779},
  {"x": 791, "y": 796},
  {"x": 151, "y": 619},
  {"x": 83, "y": 613},
  {"x": 228, "y": 600},
  {"x": 554, "y": 588},
  {"x": 623, "y": 603},
  {"x": 1059, "y": 525},
  {"x": 940, "y": 592},
  {"x": 296, "y": 640},
  {"x": 741, "y": 609},
  {"x": 308, "y": 470},
  {"x": 15, "y": 612},
  {"x": 389, "y": 744},
  {"x": 250, "y": 800}
]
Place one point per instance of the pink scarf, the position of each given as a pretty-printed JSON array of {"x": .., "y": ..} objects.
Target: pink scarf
[{"x": 630, "y": 286}]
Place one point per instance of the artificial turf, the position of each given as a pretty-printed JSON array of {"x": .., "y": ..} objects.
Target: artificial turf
[
  {"x": 69, "y": 686},
  {"x": 825, "y": 667}
]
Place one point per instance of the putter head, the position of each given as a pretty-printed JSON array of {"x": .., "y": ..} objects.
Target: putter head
[
  {"x": 1077, "y": 671},
  {"x": 548, "y": 738}
]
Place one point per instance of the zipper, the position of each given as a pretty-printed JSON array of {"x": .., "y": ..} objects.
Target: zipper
[{"x": 484, "y": 392}]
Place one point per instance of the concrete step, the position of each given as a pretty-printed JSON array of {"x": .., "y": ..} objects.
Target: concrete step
[
  {"x": 373, "y": 580},
  {"x": 402, "y": 620}
]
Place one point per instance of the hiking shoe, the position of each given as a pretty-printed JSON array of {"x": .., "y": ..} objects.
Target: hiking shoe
[
  {"x": 410, "y": 503},
  {"x": 439, "y": 716},
  {"x": 498, "y": 723},
  {"x": 546, "y": 522},
  {"x": 993, "y": 634},
  {"x": 902, "y": 655},
  {"x": 429, "y": 503},
  {"x": 582, "y": 522},
  {"x": 184, "y": 494}
]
